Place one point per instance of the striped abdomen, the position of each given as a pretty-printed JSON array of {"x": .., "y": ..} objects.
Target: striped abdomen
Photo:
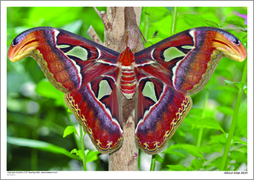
[{"x": 128, "y": 83}]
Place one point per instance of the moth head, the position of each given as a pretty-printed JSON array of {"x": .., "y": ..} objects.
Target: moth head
[{"x": 126, "y": 58}]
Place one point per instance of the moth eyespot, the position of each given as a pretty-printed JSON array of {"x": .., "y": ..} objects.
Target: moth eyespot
[
  {"x": 17, "y": 40},
  {"x": 233, "y": 38},
  {"x": 236, "y": 41},
  {"x": 21, "y": 37}
]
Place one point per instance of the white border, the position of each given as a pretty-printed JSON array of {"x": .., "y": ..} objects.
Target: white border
[{"x": 120, "y": 175}]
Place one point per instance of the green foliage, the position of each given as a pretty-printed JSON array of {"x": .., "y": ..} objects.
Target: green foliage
[
  {"x": 46, "y": 89},
  {"x": 209, "y": 123},
  {"x": 42, "y": 136},
  {"x": 69, "y": 130},
  {"x": 85, "y": 156},
  {"x": 39, "y": 145}
]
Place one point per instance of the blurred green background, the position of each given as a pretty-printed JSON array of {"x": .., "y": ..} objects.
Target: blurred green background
[{"x": 36, "y": 111}]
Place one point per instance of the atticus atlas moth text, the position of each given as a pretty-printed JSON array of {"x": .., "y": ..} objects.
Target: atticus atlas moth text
[{"x": 162, "y": 77}]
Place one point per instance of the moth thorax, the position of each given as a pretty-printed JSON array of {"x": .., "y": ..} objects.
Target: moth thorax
[{"x": 128, "y": 83}]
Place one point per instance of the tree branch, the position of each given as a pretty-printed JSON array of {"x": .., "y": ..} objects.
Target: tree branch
[
  {"x": 123, "y": 32},
  {"x": 104, "y": 18},
  {"x": 93, "y": 35}
]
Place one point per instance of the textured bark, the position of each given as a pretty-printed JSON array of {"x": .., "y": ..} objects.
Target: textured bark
[
  {"x": 91, "y": 32},
  {"x": 121, "y": 30}
]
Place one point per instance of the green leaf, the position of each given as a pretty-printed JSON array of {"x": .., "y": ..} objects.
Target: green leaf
[
  {"x": 194, "y": 19},
  {"x": 165, "y": 24},
  {"x": 209, "y": 123},
  {"x": 153, "y": 40},
  {"x": 237, "y": 84},
  {"x": 237, "y": 140},
  {"x": 52, "y": 16},
  {"x": 218, "y": 139},
  {"x": 224, "y": 72},
  {"x": 211, "y": 23},
  {"x": 217, "y": 162},
  {"x": 155, "y": 13},
  {"x": 226, "y": 89},
  {"x": 69, "y": 130},
  {"x": 239, "y": 156},
  {"x": 181, "y": 133},
  {"x": 92, "y": 156},
  {"x": 158, "y": 158},
  {"x": 225, "y": 110},
  {"x": 235, "y": 20},
  {"x": 193, "y": 150},
  {"x": 74, "y": 151},
  {"x": 78, "y": 153},
  {"x": 46, "y": 89},
  {"x": 197, "y": 164},
  {"x": 39, "y": 145},
  {"x": 206, "y": 149},
  {"x": 174, "y": 153},
  {"x": 73, "y": 27},
  {"x": 211, "y": 148},
  {"x": 196, "y": 112},
  {"x": 177, "y": 167}
]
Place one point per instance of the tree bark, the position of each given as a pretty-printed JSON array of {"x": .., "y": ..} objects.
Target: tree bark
[{"x": 121, "y": 30}]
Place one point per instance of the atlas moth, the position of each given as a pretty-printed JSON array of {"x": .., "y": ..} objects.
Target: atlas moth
[{"x": 163, "y": 76}]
